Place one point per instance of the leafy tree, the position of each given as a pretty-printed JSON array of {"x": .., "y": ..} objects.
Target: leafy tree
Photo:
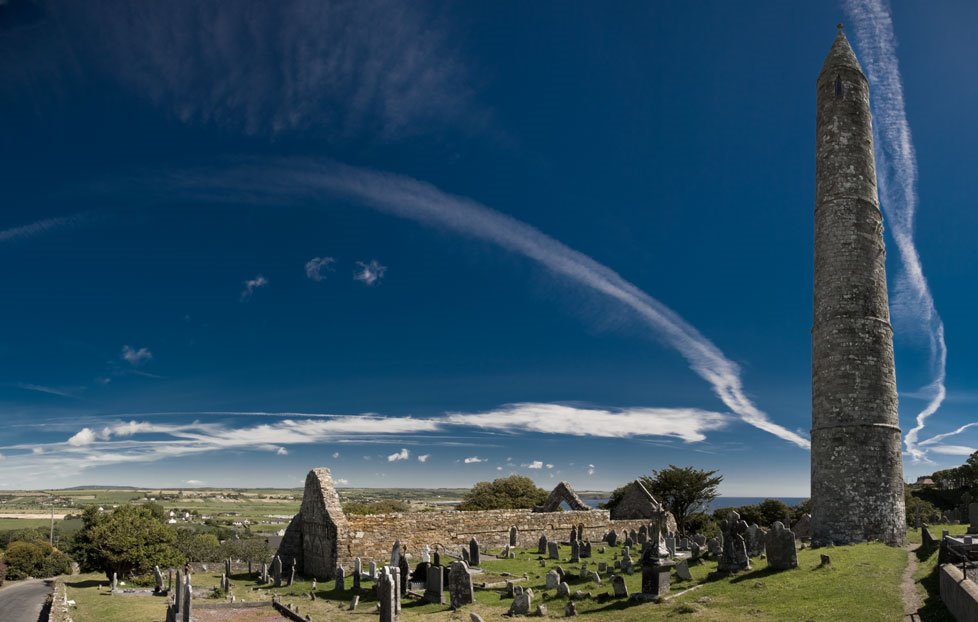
[
  {"x": 506, "y": 493},
  {"x": 198, "y": 547},
  {"x": 917, "y": 508},
  {"x": 251, "y": 550},
  {"x": 386, "y": 506},
  {"x": 683, "y": 490},
  {"x": 131, "y": 540},
  {"x": 31, "y": 534},
  {"x": 3, "y": 571},
  {"x": 81, "y": 547},
  {"x": 797, "y": 511}
]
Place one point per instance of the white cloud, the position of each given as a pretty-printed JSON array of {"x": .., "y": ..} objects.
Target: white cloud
[
  {"x": 369, "y": 273},
  {"x": 282, "y": 451},
  {"x": 37, "y": 451},
  {"x": 423, "y": 457},
  {"x": 70, "y": 392},
  {"x": 251, "y": 285},
  {"x": 85, "y": 436},
  {"x": 342, "y": 482},
  {"x": 499, "y": 468},
  {"x": 952, "y": 450},
  {"x": 2, "y": 457},
  {"x": 590, "y": 469},
  {"x": 38, "y": 227},
  {"x": 193, "y": 482},
  {"x": 135, "y": 357},
  {"x": 336, "y": 455},
  {"x": 404, "y": 454},
  {"x": 473, "y": 459},
  {"x": 536, "y": 464},
  {"x": 317, "y": 267},
  {"x": 550, "y": 466},
  {"x": 896, "y": 170},
  {"x": 409, "y": 198},
  {"x": 688, "y": 424}
]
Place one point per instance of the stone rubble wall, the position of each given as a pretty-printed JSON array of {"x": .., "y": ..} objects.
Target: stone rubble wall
[{"x": 370, "y": 537}]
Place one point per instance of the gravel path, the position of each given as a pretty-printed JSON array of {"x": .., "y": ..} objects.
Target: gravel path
[{"x": 912, "y": 600}]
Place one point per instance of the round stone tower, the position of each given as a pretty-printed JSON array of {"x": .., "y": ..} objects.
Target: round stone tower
[{"x": 857, "y": 467}]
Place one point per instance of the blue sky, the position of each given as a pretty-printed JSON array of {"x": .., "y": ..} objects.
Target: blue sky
[{"x": 428, "y": 244}]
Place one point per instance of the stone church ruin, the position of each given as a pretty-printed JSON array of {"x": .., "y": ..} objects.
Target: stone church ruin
[{"x": 321, "y": 537}]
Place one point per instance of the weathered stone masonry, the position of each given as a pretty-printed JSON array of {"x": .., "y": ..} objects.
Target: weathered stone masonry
[
  {"x": 857, "y": 468},
  {"x": 321, "y": 536}
]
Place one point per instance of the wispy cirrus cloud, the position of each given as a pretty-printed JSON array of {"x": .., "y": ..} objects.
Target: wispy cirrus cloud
[
  {"x": 69, "y": 392},
  {"x": 421, "y": 202},
  {"x": 369, "y": 273},
  {"x": 317, "y": 267},
  {"x": 896, "y": 169},
  {"x": 135, "y": 356},
  {"x": 38, "y": 227}
]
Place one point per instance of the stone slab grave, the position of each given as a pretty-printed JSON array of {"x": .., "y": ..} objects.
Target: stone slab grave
[{"x": 779, "y": 543}]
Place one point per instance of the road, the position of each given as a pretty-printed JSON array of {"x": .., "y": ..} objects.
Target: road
[{"x": 23, "y": 601}]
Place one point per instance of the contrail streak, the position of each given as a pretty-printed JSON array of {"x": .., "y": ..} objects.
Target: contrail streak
[
  {"x": 38, "y": 227},
  {"x": 414, "y": 200},
  {"x": 896, "y": 170}
]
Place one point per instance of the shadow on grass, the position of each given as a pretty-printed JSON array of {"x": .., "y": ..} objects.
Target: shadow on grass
[
  {"x": 615, "y": 605},
  {"x": 933, "y": 609},
  {"x": 755, "y": 574},
  {"x": 84, "y": 584}
]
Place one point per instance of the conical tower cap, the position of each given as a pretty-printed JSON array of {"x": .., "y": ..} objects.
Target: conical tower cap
[{"x": 841, "y": 55}]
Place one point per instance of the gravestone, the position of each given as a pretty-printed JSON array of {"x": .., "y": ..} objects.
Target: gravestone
[
  {"x": 403, "y": 572},
  {"x": 340, "y": 579},
  {"x": 595, "y": 577},
  {"x": 926, "y": 538},
  {"x": 682, "y": 571},
  {"x": 586, "y": 548},
  {"x": 619, "y": 587},
  {"x": 372, "y": 572},
  {"x": 755, "y": 543},
  {"x": 188, "y": 601},
  {"x": 780, "y": 546},
  {"x": 629, "y": 543},
  {"x": 683, "y": 544},
  {"x": 714, "y": 547},
  {"x": 460, "y": 585},
  {"x": 552, "y": 579},
  {"x": 522, "y": 603},
  {"x": 575, "y": 551},
  {"x": 612, "y": 538},
  {"x": 474, "y": 556},
  {"x": 573, "y": 534},
  {"x": 656, "y": 569},
  {"x": 426, "y": 554},
  {"x": 354, "y": 603},
  {"x": 396, "y": 553},
  {"x": 671, "y": 545},
  {"x": 514, "y": 536},
  {"x": 553, "y": 549},
  {"x": 178, "y": 593},
  {"x": 542, "y": 545},
  {"x": 158, "y": 576},
  {"x": 292, "y": 575},
  {"x": 115, "y": 581},
  {"x": 277, "y": 570},
  {"x": 357, "y": 566},
  {"x": 465, "y": 555},
  {"x": 734, "y": 555},
  {"x": 803, "y": 528},
  {"x": 602, "y": 566},
  {"x": 436, "y": 558},
  {"x": 386, "y": 593},
  {"x": 563, "y": 590},
  {"x": 570, "y": 610},
  {"x": 699, "y": 539},
  {"x": 434, "y": 590}
]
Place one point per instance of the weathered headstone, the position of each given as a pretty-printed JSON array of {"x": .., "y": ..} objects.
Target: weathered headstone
[
  {"x": 602, "y": 566},
  {"x": 682, "y": 571},
  {"x": 803, "y": 528},
  {"x": 522, "y": 603},
  {"x": 570, "y": 610},
  {"x": 115, "y": 581},
  {"x": 629, "y": 543},
  {"x": 277, "y": 570},
  {"x": 734, "y": 556},
  {"x": 396, "y": 553},
  {"x": 563, "y": 590},
  {"x": 586, "y": 548},
  {"x": 436, "y": 558},
  {"x": 475, "y": 558},
  {"x": 386, "y": 594},
  {"x": 178, "y": 593},
  {"x": 465, "y": 555},
  {"x": 460, "y": 585},
  {"x": 593, "y": 576},
  {"x": 340, "y": 579},
  {"x": 372, "y": 572},
  {"x": 656, "y": 569},
  {"x": 553, "y": 550},
  {"x": 434, "y": 590},
  {"x": 780, "y": 546},
  {"x": 619, "y": 587},
  {"x": 158, "y": 576},
  {"x": 552, "y": 579},
  {"x": 671, "y": 545},
  {"x": 514, "y": 536},
  {"x": 542, "y": 545},
  {"x": 354, "y": 603},
  {"x": 426, "y": 554},
  {"x": 612, "y": 538},
  {"x": 403, "y": 572},
  {"x": 573, "y": 534},
  {"x": 926, "y": 538},
  {"x": 188, "y": 601},
  {"x": 575, "y": 551}
]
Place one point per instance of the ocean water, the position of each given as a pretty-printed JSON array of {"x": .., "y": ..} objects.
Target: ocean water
[{"x": 723, "y": 502}]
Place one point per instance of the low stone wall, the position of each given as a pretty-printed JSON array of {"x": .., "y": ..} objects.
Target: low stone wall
[
  {"x": 58, "y": 611},
  {"x": 959, "y": 594},
  {"x": 370, "y": 537}
]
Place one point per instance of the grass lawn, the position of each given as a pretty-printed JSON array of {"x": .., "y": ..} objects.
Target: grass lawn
[
  {"x": 926, "y": 576},
  {"x": 862, "y": 584}
]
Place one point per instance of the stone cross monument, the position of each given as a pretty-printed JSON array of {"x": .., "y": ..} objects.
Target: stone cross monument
[{"x": 857, "y": 468}]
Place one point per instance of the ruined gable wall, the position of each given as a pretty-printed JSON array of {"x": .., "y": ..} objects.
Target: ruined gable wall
[
  {"x": 322, "y": 524},
  {"x": 371, "y": 537}
]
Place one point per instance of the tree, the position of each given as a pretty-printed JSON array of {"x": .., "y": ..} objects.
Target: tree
[
  {"x": 385, "y": 506},
  {"x": 131, "y": 540},
  {"x": 35, "y": 559},
  {"x": 683, "y": 490},
  {"x": 506, "y": 493},
  {"x": 198, "y": 547}
]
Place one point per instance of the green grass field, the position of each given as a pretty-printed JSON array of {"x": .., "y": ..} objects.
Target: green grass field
[{"x": 862, "y": 584}]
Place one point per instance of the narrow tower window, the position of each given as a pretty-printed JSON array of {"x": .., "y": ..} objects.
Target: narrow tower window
[{"x": 838, "y": 86}]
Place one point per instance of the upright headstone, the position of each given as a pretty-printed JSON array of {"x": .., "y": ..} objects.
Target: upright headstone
[
  {"x": 586, "y": 548},
  {"x": 553, "y": 550},
  {"x": 115, "y": 581},
  {"x": 404, "y": 572},
  {"x": 292, "y": 575},
  {"x": 340, "y": 579},
  {"x": 542, "y": 545},
  {"x": 158, "y": 576},
  {"x": 522, "y": 603},
  {"x": 573, "y": 534},
  {"x": 926, "y": 538},
  {"x": 396, "y": 576},
  {"x": 474, "y": 558},
  {"x": 618, "y": 585},
  {"x": 434, "y": 590},
  {"x": 552, "y": 579},
  {"x": 612, "y": 538},
  {"x": 357, "y": 566},
  {"x": 563, "y": 590},
  {"x": 188, "y": 601},
  {"x": 514, "y": 536},
  {"x": 436, "y": 558},
  {"x": 656, "y": 572},
  {"x": 277, "y": 571},
  {"x": 803, "y": 528},
  {"x": 734, "y": 556},
  {"x": 386, "y": 593},
  {"x": 460, "y": 585},
  {"x": 575, "y": 551},
  {"x": 682, "y": 571},
  {"x": 780, "y": 546},
  {"x": 396, "y": 553},
  {"x": 671, "y": 545},
  {"x": 178, "y": 593},
  {"x": 372, "y": 573},
  {"x": 426, "y": 554}
]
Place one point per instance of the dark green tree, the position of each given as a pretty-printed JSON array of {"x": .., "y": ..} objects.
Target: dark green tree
[
  {"x": 35, "y": 559},
  {"x": 683, "y": 490},
  {"x": 131, "y": 540},
  {"x": 506, "y": 493}
]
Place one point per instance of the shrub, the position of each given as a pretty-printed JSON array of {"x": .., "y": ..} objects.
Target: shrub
[
  {"x": 387, "y": 506},
  {"x": 506, "y": 493},
  {"x": 35, "y": 559}
]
